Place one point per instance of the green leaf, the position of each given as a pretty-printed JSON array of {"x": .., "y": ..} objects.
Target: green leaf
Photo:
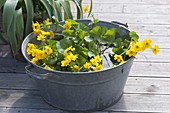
[
  {"x": 63, "y": 44},
  {"x": 72, "y": 22},
  {"x": 79, "y": 49},
  {"x": 12, "y": 37},
  {"x": 29, "y": 8},
  {"x": 66, "y": 8},
  {"x": 118, "y": 43},
  {"x": 2, "y": 2},
  {"x": 110, "y": 35},
  {"x": 19, "y": 25},
  {"x": 69, "y": 33},
  {"x": 79, "y": 8},
  {"x": 88, "y": 38},
  {"x": 91, "y": 7},
  {"x": 82, "y": 34},
  {"x": 8, "y": 12},
  {"x": 134, "y": 36},
  {"x": 47, "y": 7},
  {"x": 95, "y": 30},
  {"x": 82, "y": 58},
  {"x": 58, "y": 9}
]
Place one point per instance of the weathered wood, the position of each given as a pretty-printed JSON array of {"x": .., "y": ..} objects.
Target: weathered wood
[
  {"x": 22, "y": 110},
  {"x": 158, "y": 2},
  {"x": 129, "y": 102},
  {"x": 146, "y": 9}
]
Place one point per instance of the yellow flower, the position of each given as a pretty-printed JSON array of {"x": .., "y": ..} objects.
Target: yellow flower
[
  {"x": 87, "y": 65},
  {"x": 118, "y": 58},
  {"x": 47, "y": 67},
  {"x": 67, "y": 25},
  {"x": 34, "y": 60},
  {"x": 35, "y": 25},
  {"x": 147, "y": 43},
  {"x": 98, "y": 67},
  {"x": 131, "y": 52},
  {"x": 75, "y": 68},
  {"x": 30, "y": 48},
  {"x": 68, "y": 49},
  {"x": 51, "y": 34},
  {"x": 97, "y": 58},
  {"x": 41, "y": 37},
  {"x": 65, "y": 63},
  {"x": 155, "y": 49},
  {"x": 48, "y": 50},
  {"x": 85, "y": 9},
  {"x": 94, "y": 61},
  {"x": 47, "y": 23},
  {"x": 137, "y": 46},
  {"x": 41, "y": 54},
  {"x": 69, "y": 56}
]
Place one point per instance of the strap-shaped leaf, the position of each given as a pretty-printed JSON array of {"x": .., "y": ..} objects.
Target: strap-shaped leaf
[
  {"x": 78, "y": 4},
  {"x": 91, "y": 7},
  {"x": 3, "y": 40},
  {"x": 47, "y": 7},
  {"x": 11, "y": 35},
  {"x": 2, "y": 2},
  {"x": 8, "y": 11},
  {"x": 58, "y": 9},
  {"x": 19, "y": 25},
  {"x": 66, "y": 7}
]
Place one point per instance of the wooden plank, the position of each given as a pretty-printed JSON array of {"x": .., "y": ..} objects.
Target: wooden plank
[
  {"x": 9, "y": 65},
  {"x": 146, "y": 9},
  {"x": 129, "y": 102},
  {"x": 22, "y": 110},
  {"x": 148, "y": 69},
  {"x": 158, "y": 2},
  {"x": 135, "y": 18},
  {"x": 143, "y": 85},
  {"x": 17, "y": 81}
]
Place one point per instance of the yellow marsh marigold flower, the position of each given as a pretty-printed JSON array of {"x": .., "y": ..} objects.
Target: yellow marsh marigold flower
[
  {"x": 118, "y": 58},
  {"x": 34, "y": 60},
  {"x": 137, "y": 46},
  {"x": 97, "y": 58},
  {"x": 75, "y": 68},
  {"x": 70, "y": 57},
  {"x": 41, "y": 37},
  {"x": 48, "y": 50},
  {"x": 94, "y": 61},
  {"x": 30, "y": 48},
  {"x": 67, "y": 25},
  {"x": 155, "y": 49},
  {"x": 98, "y": 67},
  {"x": 51, "y": 34},
  {"x": 35, "y": 25},
  {"x": 87, "y": 65},
  {"x": 147, "y": 43},
  {"x": 85, "y": 9},
  {"x": 47, "y": 23},
  {"x": 69, "y": 49},
  {"x": 41, "y": 54},
  {"x": 64, "y": 63},
  {"x": 131, "y": 52},
  {"x": 47, "y": 67}
]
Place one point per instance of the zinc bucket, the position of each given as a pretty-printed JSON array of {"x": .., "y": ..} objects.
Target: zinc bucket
[{"x": 80, "y": 91}]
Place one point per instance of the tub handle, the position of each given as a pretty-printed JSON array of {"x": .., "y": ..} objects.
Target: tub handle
[
  {"x": 36, "y": 75},
  {"x": 125, "y": 25}
]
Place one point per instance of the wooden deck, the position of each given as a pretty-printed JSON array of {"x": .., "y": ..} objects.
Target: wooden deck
[{"x": 148, "y": 85}]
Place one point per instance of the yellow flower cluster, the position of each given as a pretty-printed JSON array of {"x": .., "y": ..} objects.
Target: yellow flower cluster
[
  {"x": 38, "y": 54},
  {"x": 141, "y": 46},
  {"x": 94, "y": 63},
  {"x": 42, "y": 35},
  {"x": 68, "y": 57},
  {"x": 85, "y": 9}
]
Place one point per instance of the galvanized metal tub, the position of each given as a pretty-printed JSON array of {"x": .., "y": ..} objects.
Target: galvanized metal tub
[{"x": 80, "y": 91}]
